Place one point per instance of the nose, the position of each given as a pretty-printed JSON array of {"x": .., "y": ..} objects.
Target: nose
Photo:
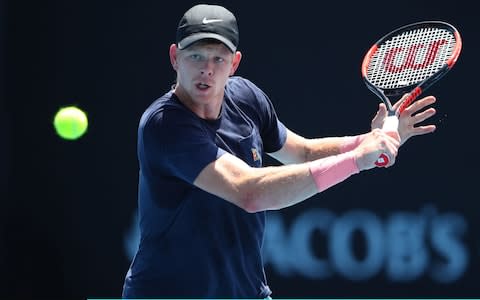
[{"x": 207, "y": 68}]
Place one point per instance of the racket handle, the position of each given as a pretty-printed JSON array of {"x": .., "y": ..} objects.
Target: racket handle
[{"x": 390, "y": 125}]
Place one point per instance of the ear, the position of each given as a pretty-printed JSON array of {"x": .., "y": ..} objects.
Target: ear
[
  {"x": 173, "y": 56},
  {"x": 236, "y": 62}
]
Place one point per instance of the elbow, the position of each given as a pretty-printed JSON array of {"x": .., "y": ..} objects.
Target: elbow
[
  {"x": 251, "y": 195},
  {"x": 251, "y": 202}
]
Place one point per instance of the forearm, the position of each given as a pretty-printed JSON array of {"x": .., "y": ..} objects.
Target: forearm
[
  {"x": 324, "y": 147},
  {"x": 285, "y": 186},
  {"x": 270, "y": 188},
  {"x": 348, "y": 143},
  {"x": 298, "y": 149}
]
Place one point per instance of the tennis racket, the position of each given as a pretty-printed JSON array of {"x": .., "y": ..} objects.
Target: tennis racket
[{"x": 409, "y": 60}]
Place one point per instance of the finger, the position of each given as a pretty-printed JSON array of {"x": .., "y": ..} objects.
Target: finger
[
  {"x": 393, "y": 150},
  {"x": 389, "y": 149},
  {"x": 399, "y": 102},
  {"x": 421, "y": 130},
  {"x": 391, "y": 162},
  {"x": 420, "y": 104},
  {"x": 395, "y": 136},
  {"x": 382, "y": 110},
  {"x": 391, "y": 159},
  {"x": 422, "y": 116},
  {"x": 377, "y": 120}
]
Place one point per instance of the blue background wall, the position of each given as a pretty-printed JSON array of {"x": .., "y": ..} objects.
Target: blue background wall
[{"x": 68, "y": 208}]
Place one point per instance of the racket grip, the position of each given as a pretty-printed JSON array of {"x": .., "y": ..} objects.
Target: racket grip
[{"x": 390, "y": 125}]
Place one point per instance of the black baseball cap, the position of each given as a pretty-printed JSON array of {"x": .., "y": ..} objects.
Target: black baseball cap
[{"x": 205, "y": 21}]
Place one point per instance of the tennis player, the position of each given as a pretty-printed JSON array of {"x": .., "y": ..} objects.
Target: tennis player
[{"x": 203, "y": 190}]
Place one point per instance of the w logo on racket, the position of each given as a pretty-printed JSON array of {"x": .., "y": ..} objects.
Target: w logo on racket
[{"x": 416, "y": 56}]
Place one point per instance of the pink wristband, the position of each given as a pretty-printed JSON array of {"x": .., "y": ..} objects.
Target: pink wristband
[
  {"x": 333, "y": 169},
  {"x": 350, "y": 142}
]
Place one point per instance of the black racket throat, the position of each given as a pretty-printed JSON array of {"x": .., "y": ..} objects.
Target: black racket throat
[
  {"x": 389, "y": 95},
  {"x": 393, "y": 95}
]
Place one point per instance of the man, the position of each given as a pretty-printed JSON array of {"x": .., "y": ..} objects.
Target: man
[{"x": 203, "y": 191}]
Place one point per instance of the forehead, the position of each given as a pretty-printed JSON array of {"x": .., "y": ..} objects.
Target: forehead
[{"x": 209, "y": 45}]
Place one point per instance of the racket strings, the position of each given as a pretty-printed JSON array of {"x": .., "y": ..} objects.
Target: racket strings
[{"x": 410, "y": 57}]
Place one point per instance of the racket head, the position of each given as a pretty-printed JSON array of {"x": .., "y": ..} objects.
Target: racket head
[{"x": 410, "y": 59}]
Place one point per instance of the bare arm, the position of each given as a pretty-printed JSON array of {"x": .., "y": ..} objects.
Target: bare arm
[
  {"x": 276, "y": 187},
  {"x": 298, "y": 149},
  {"x": 256, "y": 189}
]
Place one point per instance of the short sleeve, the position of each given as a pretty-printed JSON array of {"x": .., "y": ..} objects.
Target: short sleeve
[{"x": 176, "y": 144}]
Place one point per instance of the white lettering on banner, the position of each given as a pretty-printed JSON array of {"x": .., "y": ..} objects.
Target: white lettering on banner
[{"x": 406, "y": 246}]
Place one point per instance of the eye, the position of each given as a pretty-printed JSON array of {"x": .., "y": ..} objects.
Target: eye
[
  {"x": 219, "y": 59},
  {"x": 196, "y": 57}
]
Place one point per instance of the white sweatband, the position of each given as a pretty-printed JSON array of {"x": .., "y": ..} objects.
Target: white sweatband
[{"x": 331, "y": 170}]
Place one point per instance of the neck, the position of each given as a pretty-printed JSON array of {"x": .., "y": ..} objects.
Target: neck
[{"x": 208, "y": 110}]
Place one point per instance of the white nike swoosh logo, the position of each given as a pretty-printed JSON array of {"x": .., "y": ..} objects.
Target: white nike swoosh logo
[{"x": 207, "y": 21}]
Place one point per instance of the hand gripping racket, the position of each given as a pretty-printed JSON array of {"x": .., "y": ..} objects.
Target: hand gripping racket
[{"x": 409, "y": 60}]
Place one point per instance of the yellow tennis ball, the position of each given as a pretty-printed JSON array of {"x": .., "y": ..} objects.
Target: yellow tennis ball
[{"x": 70, "y": 123}]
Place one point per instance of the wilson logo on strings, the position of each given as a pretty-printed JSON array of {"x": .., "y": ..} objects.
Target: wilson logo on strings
[{"x": 411, "y": 59}]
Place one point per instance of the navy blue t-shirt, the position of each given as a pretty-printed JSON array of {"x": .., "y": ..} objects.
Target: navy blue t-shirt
[{"x": 192, "y": 243}]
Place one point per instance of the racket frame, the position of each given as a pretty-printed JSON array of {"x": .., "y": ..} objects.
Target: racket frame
[{"x": 416, "y": 89}]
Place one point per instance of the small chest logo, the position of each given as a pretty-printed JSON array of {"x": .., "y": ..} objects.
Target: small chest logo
[{"x": 255, "y": 155}]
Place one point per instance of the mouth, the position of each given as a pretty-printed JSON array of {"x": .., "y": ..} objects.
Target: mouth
[{"x": 202, "y": 86}]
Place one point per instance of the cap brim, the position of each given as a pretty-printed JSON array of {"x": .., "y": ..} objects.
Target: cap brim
[{"x": 189, "y": 40}]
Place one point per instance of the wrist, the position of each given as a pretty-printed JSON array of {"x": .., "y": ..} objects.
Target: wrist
[
  {"x": 350, "y": 142},
  {"x": 332, "y": 170}
]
